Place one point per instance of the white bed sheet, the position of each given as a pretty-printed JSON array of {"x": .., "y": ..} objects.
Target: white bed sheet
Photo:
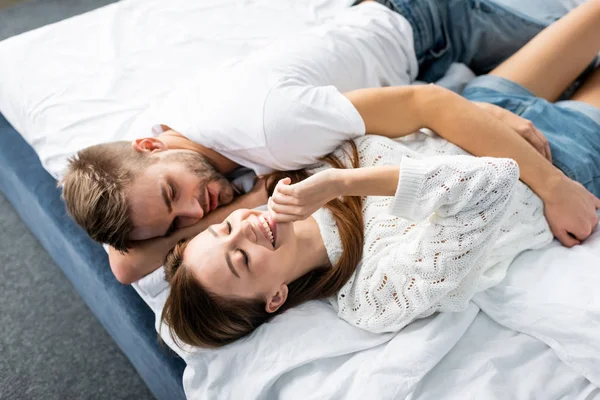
[
  {"x": 85, "y": 80},
  {"x": 537, "y": 339}
]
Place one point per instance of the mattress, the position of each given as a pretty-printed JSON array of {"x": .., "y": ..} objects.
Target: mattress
[
  {"x": 88, "y": 79},
  {"x": 129, "y": 321}
]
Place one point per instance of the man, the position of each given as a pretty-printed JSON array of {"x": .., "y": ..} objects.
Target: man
[{"x": 288, "y": 105}]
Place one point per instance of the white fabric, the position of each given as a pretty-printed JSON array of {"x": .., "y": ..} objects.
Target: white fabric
[
  {"x": 452, "y": 229},
  {"x": 552, "y": 294},
  {"x": 310, "y": 353},
  {"x": 493, "y": 362},
  {"x": 282, "y": 107},
  {"x": 86, "y": 79}
]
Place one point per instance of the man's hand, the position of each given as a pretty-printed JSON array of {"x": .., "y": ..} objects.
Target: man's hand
[
  {"x": 522, "y": 126},
  {"x": 571, "y": 211}
]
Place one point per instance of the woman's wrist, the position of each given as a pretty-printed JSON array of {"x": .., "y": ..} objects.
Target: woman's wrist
[
  {"x": 340, "y": 182},
  {"x": 367, "y": 181}
]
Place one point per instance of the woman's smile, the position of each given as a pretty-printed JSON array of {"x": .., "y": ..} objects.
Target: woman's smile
[{"x": 259, "y": 223}]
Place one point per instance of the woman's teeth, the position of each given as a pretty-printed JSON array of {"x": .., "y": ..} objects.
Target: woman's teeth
[{"x": 268, "y": 228}]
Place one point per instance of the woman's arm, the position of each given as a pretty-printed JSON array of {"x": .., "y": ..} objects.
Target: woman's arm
[{"x": 457, "y": 205}]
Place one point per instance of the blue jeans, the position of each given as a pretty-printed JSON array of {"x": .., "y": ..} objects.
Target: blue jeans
[
  {"x": 572, "y": 128},
  {"x": 478, "y": 33}
]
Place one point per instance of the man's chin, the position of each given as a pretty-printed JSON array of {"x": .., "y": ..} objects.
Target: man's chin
[
  {"x": 225, "y": 199},
  {"x": 225, "y": 194}
]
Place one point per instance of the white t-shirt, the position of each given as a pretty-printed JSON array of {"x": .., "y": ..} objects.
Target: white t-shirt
[{"x": 283, "y": 107}]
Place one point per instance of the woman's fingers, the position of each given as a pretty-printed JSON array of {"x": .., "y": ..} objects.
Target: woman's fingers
[
  {"x": 283, "y": 208},
  {"x": 284, "y": 199},
  {"x": 284, "y": 187},
  {"x": 283, "y": 218}
]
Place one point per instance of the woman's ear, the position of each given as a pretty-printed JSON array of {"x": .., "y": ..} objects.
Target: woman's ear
[
  {"x": 148, "y": 144},
  {"x": 276, "y": 300}
]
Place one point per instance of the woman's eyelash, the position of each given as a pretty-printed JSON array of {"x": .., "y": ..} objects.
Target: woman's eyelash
[
  {"x": 245, "y": 256},
  {"x": 173, "y": 192},
  {"x": 228, "y": 226}
]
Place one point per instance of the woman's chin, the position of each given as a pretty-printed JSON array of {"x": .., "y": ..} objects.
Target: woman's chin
[{"x": 285, "y": 231}]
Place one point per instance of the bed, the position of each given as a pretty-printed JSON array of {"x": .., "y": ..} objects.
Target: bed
[{"x": 85, "y": 80}]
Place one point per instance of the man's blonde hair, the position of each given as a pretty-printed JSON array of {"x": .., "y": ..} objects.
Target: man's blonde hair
[{"x": 94, "y": 190}]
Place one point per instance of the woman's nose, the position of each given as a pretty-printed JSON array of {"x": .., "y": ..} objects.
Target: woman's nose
[{"x": 244, "y": 232}]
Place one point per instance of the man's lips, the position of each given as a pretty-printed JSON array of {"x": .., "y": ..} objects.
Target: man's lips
[
  {"x": 205, "y": 204},
  {"x": 213, "y": 200}
]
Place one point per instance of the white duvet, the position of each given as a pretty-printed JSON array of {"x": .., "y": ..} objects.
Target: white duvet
[
  {"x": 537, "y": 336},
  {"x": 87, "y": 79}
]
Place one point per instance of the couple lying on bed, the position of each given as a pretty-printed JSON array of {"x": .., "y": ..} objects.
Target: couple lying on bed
[{"x": 389, "y": 231}]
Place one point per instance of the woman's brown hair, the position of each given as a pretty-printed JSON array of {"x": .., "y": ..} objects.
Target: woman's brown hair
[{"x": 197, "y": 317}]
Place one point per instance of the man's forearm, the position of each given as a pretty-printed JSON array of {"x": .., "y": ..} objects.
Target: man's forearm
[
  {"x": 148, "y": 255},
  {"x": 399, "y": 111},
  {"x": 475, "y": 130}
]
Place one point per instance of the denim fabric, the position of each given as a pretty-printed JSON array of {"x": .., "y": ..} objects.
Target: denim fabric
[
  {"x": 130, "y": 322},
  {"x": 478, "y": 33},
  {"x": 571, "y": 127}
]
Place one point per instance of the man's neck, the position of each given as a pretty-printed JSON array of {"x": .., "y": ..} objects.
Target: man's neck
[{"x": 175, "y": 140}]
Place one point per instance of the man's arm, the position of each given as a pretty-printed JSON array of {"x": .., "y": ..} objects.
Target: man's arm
[
  {"x": 148, "y": 255},
  {"x": 524, "y": 127},
  {"x": 399, "y": 111}
]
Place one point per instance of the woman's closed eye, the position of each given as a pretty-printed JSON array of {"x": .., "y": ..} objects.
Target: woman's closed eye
[
  {"x": 220, "y": 230},
  {"x": 245, "y": 258}
]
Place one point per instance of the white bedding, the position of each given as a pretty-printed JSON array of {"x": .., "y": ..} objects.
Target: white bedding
[
  {"x": 538, "y": 338},
  {"x": 85, "y": 80}
]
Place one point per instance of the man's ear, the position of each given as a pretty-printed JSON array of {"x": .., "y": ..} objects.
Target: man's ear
[
  {"x": 276, "y": 300},
  {"x": 148, "y": 144}
]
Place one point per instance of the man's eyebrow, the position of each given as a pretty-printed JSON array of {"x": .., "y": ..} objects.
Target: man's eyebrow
[
  {"x": 166, "y": 198},
  {"x": 227, "y": 258}
]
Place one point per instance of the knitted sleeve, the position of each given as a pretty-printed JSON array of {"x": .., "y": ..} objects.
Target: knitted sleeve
[{"x": 455, "y": 204}]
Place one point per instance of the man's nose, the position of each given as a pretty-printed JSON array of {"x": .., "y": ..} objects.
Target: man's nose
[{"x": 189, "y": 214}]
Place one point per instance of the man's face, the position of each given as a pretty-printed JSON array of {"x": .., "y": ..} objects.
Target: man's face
[{"x": 175, "y": 192}]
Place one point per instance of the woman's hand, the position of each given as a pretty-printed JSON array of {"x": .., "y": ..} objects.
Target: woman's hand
[
  {"x": 299, "y": 201},
  {"x": 522, "y": 126}
]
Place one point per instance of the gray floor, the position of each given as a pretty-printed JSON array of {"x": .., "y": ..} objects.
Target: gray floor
[{"x": 51, "y": 346}]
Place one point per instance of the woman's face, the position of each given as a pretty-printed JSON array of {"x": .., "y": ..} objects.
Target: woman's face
[{"x": 247, "y": 256}]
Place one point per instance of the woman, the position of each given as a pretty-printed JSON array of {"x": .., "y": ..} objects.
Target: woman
[{"x": 436, "y": 225}]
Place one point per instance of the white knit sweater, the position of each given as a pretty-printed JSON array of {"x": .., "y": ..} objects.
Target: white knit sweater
[{"x": 453, "y": 227}]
